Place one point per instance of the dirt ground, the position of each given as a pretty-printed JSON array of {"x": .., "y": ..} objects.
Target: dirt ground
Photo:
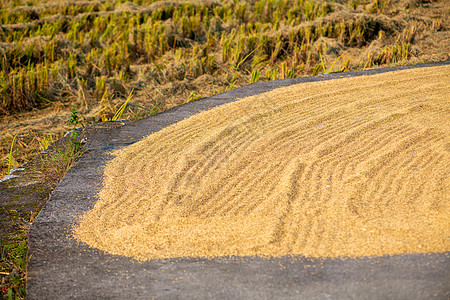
[{"x": 350, "y": 167}]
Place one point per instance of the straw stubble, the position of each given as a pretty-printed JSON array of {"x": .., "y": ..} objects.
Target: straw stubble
[{"x": 350, "y": 167}]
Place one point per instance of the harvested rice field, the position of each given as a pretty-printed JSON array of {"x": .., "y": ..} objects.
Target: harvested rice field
[{"x": 348, "y": 167}]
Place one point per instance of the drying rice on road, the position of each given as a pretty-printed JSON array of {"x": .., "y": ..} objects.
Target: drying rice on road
[{"x": 347, "y": 167}]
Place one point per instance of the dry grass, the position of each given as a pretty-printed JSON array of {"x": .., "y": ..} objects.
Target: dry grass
[{"x": 56, "y": 55}]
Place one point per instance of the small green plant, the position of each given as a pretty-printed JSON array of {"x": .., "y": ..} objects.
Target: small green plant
[
  {"x": 255, "y": 76},
  {"x": 316, "y": 69},
  {"x": 45, "y": 142},
  {"x": 69, "y": 154},
  {"x": 56, "y": 163},
  {"x": 322, "y": 63},
  {"x": 193, "y": 96},
  {"x": 12, "y": 162},
  {"x": 75, "y": 122}
]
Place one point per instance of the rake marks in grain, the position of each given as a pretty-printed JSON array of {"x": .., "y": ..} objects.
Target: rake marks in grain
[{"x": 349, "y": 167}]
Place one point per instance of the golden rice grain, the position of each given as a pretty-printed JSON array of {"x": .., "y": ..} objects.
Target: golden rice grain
[{"x": 350, "y": 167}]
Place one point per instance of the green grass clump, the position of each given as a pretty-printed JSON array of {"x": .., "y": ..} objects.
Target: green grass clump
[{"x": 13, "y": 267}]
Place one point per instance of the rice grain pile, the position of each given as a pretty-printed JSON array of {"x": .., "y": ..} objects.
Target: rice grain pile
[{"x": 349, "y": 167}]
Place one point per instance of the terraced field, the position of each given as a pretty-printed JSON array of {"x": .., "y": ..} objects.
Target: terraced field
[{"x": 348, "y": 167}]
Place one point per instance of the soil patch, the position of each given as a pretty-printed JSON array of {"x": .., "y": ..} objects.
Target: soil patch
[{"x": 348, "y": 167}]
